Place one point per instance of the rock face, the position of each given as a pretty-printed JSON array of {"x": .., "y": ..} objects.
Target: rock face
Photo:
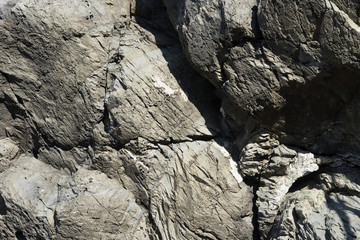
[
  {"x": 284, "y": 69},
  {"x": 224, "y": 119},
  {"x": 325, "y": 209},
  {"x": 104, "y": 132},
  {"x": 277, "y": 167},
  {"x": 289, "y": 81}
]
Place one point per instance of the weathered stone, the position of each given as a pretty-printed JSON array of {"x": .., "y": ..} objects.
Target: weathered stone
[
  {"x": 287, "y": 77},
  {"x": 122, "y": 129},
  {"x": 8, "y": 152},
  {"x": 277, "y": 167},
  {"x": 143, "y": 96},
  {"x": 208, "y": 28},
  {"x": 42, "y": 44},
  {"x": 192, "y": 186},
  {"x": 107, "y": 132},
  {"x": 327, "y": 209},
  {"x": 40, "y": 202}
]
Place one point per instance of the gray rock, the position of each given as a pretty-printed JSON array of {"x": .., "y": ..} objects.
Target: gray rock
[
  {"x": 56, "y": 51},
  {"x": 144, "y": 99},
  {"x": 207, "y": 29},
  {"x": 327, "y": 209},
  {"x": 293, "y": 59},
  {"x": 296, "y": 76},
  {"x": 190, "y": 188},
  {"x": 120, "y": 134},
  {"x": 108, "y": 132},
  {"x": 277, "y": 167},
  {"x": 8, "y": 152},
  {"x": 41, "y": 202}
]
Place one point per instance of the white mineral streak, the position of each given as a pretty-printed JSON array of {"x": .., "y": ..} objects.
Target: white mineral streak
[
  {"x": 233, "y": 165},
  {"x": 184, "y": 95},
  {"x": 234, "y": 170},
  {"x": 303, "y": 164},
  {"x": 332, "y": 6},
  {"x": 161, "y": 85},
  {"x": 138, "y": 163}
]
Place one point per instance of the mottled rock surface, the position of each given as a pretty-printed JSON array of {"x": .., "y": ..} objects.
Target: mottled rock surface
[
  {"x": 292, "y": 71},
  {"x": 328, "y": 208},
  {"x": 107, "y": 132},
  {"x": 179, "y": 119}
]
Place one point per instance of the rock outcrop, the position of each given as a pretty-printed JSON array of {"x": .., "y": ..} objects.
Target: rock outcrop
[
  {"x": 179, "y": 119},
  {"x": 291, "y": 70},
  {"x": 325, "y": 209},
  {"x": 105, "y": 134},
  {"x": 277, "y": 167},
  {"x": 283, "y": 69}
]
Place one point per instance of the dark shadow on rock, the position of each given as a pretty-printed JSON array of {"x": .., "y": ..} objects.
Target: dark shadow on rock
[
  {"x": 341, "y": 208},
  {"x": 153, "y": 17},
  {"x": 321, "y": 115}
]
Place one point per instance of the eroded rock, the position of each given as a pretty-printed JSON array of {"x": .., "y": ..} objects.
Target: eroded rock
[
  {"x": 39, "y": 201},
  {"x": 120, "y": 133},
  {"x": 276, "y": 168},
  {"x": 294, "y": 78},
  {"x": 120, "y": 138},
  {"x": 326, "y": 209}
]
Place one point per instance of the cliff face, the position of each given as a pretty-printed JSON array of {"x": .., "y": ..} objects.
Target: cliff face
[{"x": 135, "y": 119}]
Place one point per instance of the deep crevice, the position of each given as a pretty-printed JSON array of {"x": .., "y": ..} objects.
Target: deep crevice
[
  {"x": 13, "y": 108},
  {"x": 106, "y": 119},
  {"x": 20, "y": 235},
  {"x": 317, "y": 32},
  {"x": 11, "y": 78},
  {"x": 155, "y": 228},
  {"x": 3, "y": 208},
  {"x": 254, "y": 184},
  {"x": 205, "y": 138}
]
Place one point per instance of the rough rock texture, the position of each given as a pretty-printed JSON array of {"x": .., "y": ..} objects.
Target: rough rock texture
[
  {"x": 326, "y": 209},
  {"x": 286, "y": 77},
  {"x": 179, "y": 119},
  {"x": 104, "y": 132},
  {"x": 8, "y": 152},
  {"x": 208, "y": 28},
  {"x": 50, "y": 204},
  {"x": 292, "y": 70},
  {"x": 277, "y": 167}
]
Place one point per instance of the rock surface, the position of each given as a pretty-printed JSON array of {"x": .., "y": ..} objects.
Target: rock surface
[
  {"x": 116, "y": 142},
  {"x": 292, "y": 71},
  {"x": 325, "y": 209},
  {"x": 285, "y": 71},
  {"x": 179, "y": 119}
]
